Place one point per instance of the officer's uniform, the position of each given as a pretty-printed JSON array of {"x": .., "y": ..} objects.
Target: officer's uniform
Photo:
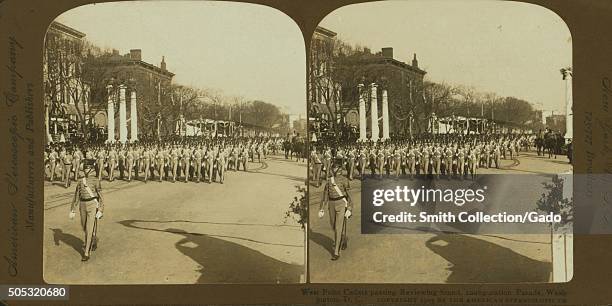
[
  {"x": 338, "y": 202},
  {"x": 89, "y": 199}
]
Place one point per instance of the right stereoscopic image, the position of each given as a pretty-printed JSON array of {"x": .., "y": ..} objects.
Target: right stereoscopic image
[{"x": 440, "y": 144}]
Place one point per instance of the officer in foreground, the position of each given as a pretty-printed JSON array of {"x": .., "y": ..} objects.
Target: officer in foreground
[
  {"x": 91, "y": 207},
  {"x": 336, "y": 199}
]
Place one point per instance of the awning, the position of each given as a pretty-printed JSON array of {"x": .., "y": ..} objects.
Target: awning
[{"x": 320, "y": 108}]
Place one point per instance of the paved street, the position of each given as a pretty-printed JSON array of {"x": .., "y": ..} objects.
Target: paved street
[
  {"x": 157, "y": 233},
  {"x": 436, "y": 257}
]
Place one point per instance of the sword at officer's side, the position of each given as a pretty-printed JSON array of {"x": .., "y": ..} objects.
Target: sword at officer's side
[
  {"x": 343, "y": 233},
  {"x": 94, "y": 238}
]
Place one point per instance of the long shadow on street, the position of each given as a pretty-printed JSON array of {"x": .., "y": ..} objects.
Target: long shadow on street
[
  {"x": 227, "y": 262},
  {"x": 492, "y": 263},
  {"x": 71, "y": 240}
]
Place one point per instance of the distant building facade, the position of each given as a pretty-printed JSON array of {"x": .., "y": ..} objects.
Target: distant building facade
[
  {"x": 322, "y": 88},
  {"x": 66, "y": 94},
  {"x": 556, "y": 123},
  {"x": 402, "y": 82},
  {"x": 130, "y": 78}
]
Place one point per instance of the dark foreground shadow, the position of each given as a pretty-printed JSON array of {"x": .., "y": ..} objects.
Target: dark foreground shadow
[
  {"x": 71, "y": 240},
  {"x": 227, "y": 262},
  {"x": 477, "y": 261},
  {"x": 326, "y": 242}
]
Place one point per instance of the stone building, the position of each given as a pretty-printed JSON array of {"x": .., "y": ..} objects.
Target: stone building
[
  {"x": 66, "y": 94},
  {"x": 323, "y": 90},
  {"x": 340, "y": 76},
  {"x": 395, "y": 86},
  {"x": 132, "y": 95}
]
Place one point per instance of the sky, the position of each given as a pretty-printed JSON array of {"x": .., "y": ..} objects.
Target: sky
[
  {"x": 509, "y": 48},
  {"x": 244, "y": 50}
]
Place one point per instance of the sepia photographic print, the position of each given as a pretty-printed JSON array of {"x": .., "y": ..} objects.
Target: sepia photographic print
[
  {"x": 440, "y": 96},
  {"x": 175, "y": 145}
]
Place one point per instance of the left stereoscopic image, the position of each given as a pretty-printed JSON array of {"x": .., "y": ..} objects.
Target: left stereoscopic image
[{"x": 175, "y": 138}]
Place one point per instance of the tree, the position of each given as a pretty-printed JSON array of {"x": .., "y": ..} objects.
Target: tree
[{"x": 67, "y": 81}]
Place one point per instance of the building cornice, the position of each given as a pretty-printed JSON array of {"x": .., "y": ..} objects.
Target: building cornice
[{"x": 66, "y": 29}]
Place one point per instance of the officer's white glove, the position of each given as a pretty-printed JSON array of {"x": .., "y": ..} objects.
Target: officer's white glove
[
  {"x": 348, "y": 214},
  {"x": 71, "y": 215},
  {"x": 321, "y": 213},
  {"x": 98, "y": 215}
]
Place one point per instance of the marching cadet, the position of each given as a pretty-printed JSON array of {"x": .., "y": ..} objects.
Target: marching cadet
[
  {"x": 425, "y": 160},
  {"x": 363, "y": 160},
  {"x": 244, "y": 154},
  {"x": 76, "y": 162},
  {"x": 448, "y": 161},
  {"x": 197, "y": 164},
  {"x": 236, "y": 156},
  {"x": 315, "y": 159},
  {"x": 260, "y": 152},
  {"x": 221, "y": 165},
  {"x": 46, "y": 162},
  {"x": 496, "y": 155},
  {"x": 327, "y": 159},
  {"x": 186, "y": 162},
  {"x": 53, "y": 160},
  {"x": 215, "y": 162},
  {"x": 121, "y": 161},
  {"x": 397, "y": 161},
  {"x": 460, "y": 162},
  {"x": 67, "y": 162},
  {"x": 437, "y": 157},
  {"x": 146, "y": 162},
  {"x": 100, "y": 161},
  {"x": 486, "y": 155},
  {"x": 174, "y": 162},
  {"x": 350, "y": 160},
  {"x": 167, "y": 160},
  {"x": 252, "y": 153},
  {"x": 477, "y": 152},
  {"x": 209, "y": 160},
  {"x": 380, "y": 161},
  {"x": 231, "y": 162},
  {"x": 129, "y": 163},
  {"x": 340, "y": 158},
  {"x": 411, "y": 161},
  {"x": 91, "y": 208},
  {"x": 337, "y": 201},
  {"x": 472, "y": 162},
  {"x": 160, "y": 161},
  {"x": 372, "y": 161},
  {"x": 112, "y": 163}
]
